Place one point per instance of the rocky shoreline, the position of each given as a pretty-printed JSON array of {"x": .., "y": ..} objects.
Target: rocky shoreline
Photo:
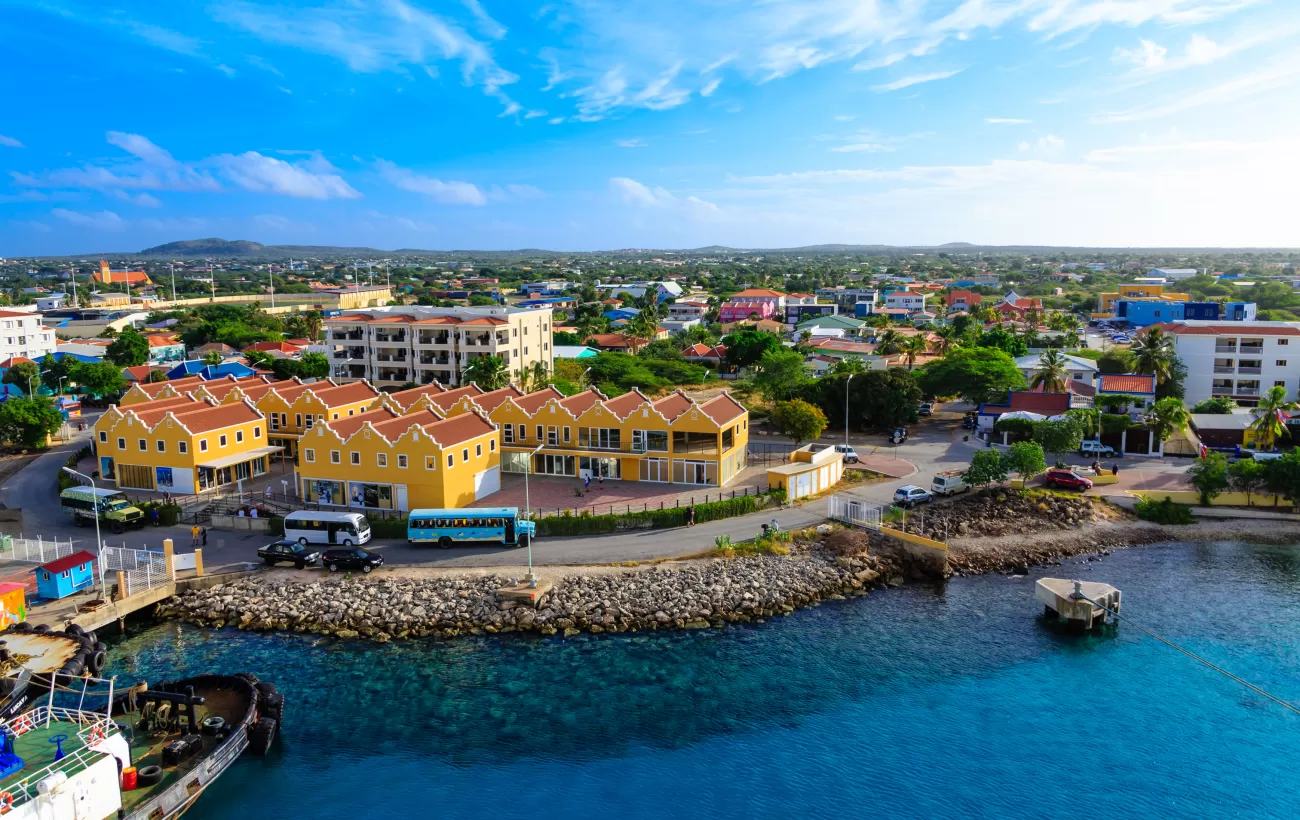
[{"x": 998, "y": 534}]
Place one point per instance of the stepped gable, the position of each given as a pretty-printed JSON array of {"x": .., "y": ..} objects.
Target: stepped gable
[
  {"x": 487, "y": 402},
  {"x": 723, "y": 408},
  {"x": 533, "y": 402},
  {"x": 673, "y": 405},
  {"x": 623, "y": 406},
  {"x": 459, "y": 429},
  {"x": 444, "y": 400},
  {"x": 345, "y": 427}
]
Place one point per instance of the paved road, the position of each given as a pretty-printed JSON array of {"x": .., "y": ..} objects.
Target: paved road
[{"x": 934, "y": 445}]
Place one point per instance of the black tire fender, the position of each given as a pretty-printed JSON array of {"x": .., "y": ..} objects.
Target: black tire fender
[
  {"x": 149, "y": 775},
  {"x": 261, "y": 735}
]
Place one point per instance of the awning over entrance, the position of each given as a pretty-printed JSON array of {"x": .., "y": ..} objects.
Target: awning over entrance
[{"x": 239, "y": 458}]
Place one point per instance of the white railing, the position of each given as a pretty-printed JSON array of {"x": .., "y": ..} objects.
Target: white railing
[
  {"x": 144, "y": 569},
  {"x": 854, "y": 511},
  {"x": 72, "y": 762},
  {"x": 38, "y": 551}
]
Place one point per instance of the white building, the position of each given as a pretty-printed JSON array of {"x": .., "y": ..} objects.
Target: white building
[
  {"x": 54, "y": 301},
  {"x": 666, "y": 290},
  {"x": 911, "y": 302},
  {"x": 22, "y": 334},
  {"x": 1077, "y": 368},
  {"x": 685, "y": 310},
  {"x": 1173, "y": 274},
  {"x": 1237, "y": 360}
]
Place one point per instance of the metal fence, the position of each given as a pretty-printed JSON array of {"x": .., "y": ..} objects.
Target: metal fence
[
  {"x": 144, "y": 569},
  {"x": 629, "y": 507},
  {"x": 769, "y": 452},
  {"x": 854, "y": 511},
  {"x": 37, "y": 551}
]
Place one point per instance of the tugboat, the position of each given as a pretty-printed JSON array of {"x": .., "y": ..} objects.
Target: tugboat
[
  {"x": 146, "y": 754},
  {"x": 30, "y": 657}
]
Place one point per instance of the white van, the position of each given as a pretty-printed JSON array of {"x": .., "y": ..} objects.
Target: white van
[
  {"x": 949, "y": 482},
  {"x": 319, "y": 527}
]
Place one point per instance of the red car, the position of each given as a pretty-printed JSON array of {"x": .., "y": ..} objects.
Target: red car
[{"x": 1067, "y": 480}]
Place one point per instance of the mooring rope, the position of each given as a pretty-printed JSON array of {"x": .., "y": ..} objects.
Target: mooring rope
[{"x": 1252, "y": 687}]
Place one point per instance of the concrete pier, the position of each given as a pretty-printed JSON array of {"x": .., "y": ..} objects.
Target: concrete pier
[{"x": 1066, "y": 599}]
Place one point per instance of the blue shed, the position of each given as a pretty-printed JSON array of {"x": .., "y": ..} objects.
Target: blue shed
[{"x": 66, "y": 576}]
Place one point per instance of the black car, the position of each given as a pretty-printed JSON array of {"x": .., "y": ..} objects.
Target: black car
[
  {"x": 351, "y": 558},
  {"x": 283, "y": 551}
]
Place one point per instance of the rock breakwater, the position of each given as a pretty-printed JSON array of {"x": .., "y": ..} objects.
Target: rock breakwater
[{"x": 698, "y": 594}]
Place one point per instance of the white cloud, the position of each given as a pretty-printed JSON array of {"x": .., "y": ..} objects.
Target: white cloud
[
  {"x": 1048, "y": 145},
  {"x": 141, "y": 147},
  {"x": 1146, "y": 56},
  {"x": 263, "y": 174},
  {"x": 637, "y": 194},
  {"x": 227, "y": 70},
  {"x": 9, "y": 142},
  {"x": 915, "y": 79},
  {"x": 449, "y": 193},
  {"x": 845, "y": 117},
  {"x": 864, "y": 147},
  {"x": 142, "y": 199},
  {"x": 100, "y": 221},
  {"x": 30, "y": 225},
  {"x": 1006, "y": 121},
  {"x": 1280, "y": 74},
  {"x": 158, "y": 36},
  {"x": 633, "y": 142},
  {"x": 378, "y": 35},
  {"x": 711, "y": 86}
]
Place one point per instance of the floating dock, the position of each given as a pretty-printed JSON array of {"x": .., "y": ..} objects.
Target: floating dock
[{"x": 1085, "y": 604}]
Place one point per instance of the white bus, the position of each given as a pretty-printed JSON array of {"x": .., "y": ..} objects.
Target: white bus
[{"x": 318, "y": 527}]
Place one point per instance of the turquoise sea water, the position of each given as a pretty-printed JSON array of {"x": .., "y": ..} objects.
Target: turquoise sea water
[{"x": 914, "y": 702}]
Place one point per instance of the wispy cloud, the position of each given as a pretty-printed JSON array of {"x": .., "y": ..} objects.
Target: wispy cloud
[
  {"x": 451, "y": 192},
  {"x": 1006, "y": 121},
  {"x": 9, "y": 142},
  {"x": 1281, "y": 74},
  {"x": 1048, "y": 145},
  {"x": 863, "y": 147},
  {"x": 845, "y": 117},
  {"x": 632, "y": 142},
  {"x": 98, "y": 221},
  {"x": 640, "y": 195},
  {"x": 256, "y": 172},
  {"x": 915, "y": 79}
]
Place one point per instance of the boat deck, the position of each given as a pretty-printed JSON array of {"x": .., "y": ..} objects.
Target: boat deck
[{"x": 37, "y": 750}]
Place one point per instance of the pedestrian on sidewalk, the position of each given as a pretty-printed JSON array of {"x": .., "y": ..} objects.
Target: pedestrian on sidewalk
[
  {"x": 203, "y": 533},
  {"x": 690, "y": 516},
  {"x": 194, "y": 535},
  {"x": 153, "y": 514},
  {"x": 1114, "y": 469}
]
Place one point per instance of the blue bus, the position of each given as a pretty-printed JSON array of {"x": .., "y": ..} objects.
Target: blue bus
[{"x": 500, "y": 525}]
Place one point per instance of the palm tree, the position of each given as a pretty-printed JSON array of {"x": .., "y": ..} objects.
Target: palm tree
[
  {"x": 212, "y": 357},
  {"x": 311, "y": 321},
  {"x": 1269, "y": 424},
  {"x": 889, "y": 342},
  {"x": 488, "y": 372},
  {"x": 917, "y": 345},
  {"x": 1051, "y": 373},
  {"x": 1166, "y": 417},
  {"x": 1153, "y": 352},
  {"x": 946, "y": 338}
]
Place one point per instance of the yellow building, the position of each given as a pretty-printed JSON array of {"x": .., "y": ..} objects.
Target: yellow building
[
  {"x": 293, "y": 408},
  {"x": 1106, "y": 301},
  {"x": 142, "y": 392},
  {"x": 630, "y": 437},
  {"x": 380, "y": 459},
  {"x": 813, "y": 468},
  {"x": 182, "y": 445}
]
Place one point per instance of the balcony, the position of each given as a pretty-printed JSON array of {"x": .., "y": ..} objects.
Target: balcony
[
  {"x": 1220, "y": 347},
  {"x": 391, "y": 357},
  {"x": 476, "y": 340},
  {"x": 391, "y": 337},
  {"x": 1248, "y": 371},
  {"x": 1246, "y": 391},
  {"x": 433, "y": 339},
  {"x": 1228, "y": 369},
  {"x": 1252, "y": 349},
  {"x": 444, "y": 361},
  {"x": 347, "y": 336},
  {"x": 392, "y": 374},
  {"x": 350, "y": 353}
]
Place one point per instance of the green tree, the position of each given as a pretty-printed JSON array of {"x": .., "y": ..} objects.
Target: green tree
[
  {"x": 1002, "y": 340},
  {"x": 1153, "y": 354},
  {"x": 29, "y": 422},
  {"x": 1025, "y": 459},
  {"x": 1247, "y": 476},
  {"x": 488, "y": 372},
  {"x": 475, "y": 300},
  {"x": 977, "y": 375},
  {"x": 986, "y": 467},
  {"x": 878, "y": 399},
  {"x": 1282, "y": 478},
  {"x": 1116, "y": 360},
  {"x": 157, "y": 375},
  {"x": 99, "y": 378},
  {"x": 915, "y": 346},
  {"x": 56, "y": 373},
  {"x": 781, "y": 375},
  {"x": 847, "y": 365},
  {"x": 889, "y": 342},
  {"x": 1051, "y": 373},
  {"x": 1221, "y": 406},
  {"x": 746, "y": 346},
  {"x": 26, "y": 375},
  {"x": 1269, "y": 425},
  {"x": 259, "y": 358},
  {"x": 1059, "y": 437},
  {"x": 799, "y": 420},
  {"x": 314, "y": 366},
  {"x": 211, "y": 358},
  {"x": 1166, "y": 417},
  {"x": 129, "y": 349},
  {"x": 1209, "y": 476}
]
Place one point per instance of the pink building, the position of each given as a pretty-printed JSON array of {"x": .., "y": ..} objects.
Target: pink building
[{"x": 738, "y": 311}]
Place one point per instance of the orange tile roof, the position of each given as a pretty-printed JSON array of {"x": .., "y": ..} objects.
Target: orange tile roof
[
  {"x": 673, "y": 405},
  {"x": 395, "y": 428},
  {"x": 752, "y": 292},
  {"x": 337, "y": 395},
  {"x": 458, "y": 429},
  {"x": 579, "y": 403},
  {"x": 533, "y": 401},
  {"x": 1128, "y": 383},
  {"x": 405, "y": 398},
  {"x": 622, "y": 406},
  {"x": 447, "y": 398},
  {"x": 486, "y": 320},
  {"x": 162, "y": 341},
  {"x": 13, "y": 360},
  {"x": 489, "y": 401},
  {"x": 345, "y": 427},
  {"x": 723, "y": 408},
  {"x": 15, "y": 314},
  {"x": 1227, "y": 330}
]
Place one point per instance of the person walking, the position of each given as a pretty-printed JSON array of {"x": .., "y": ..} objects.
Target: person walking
[
  {"x": 690, "y": 516},
  {"x": 194, "y": 535},
  {"x": 153, "y": 515},
  {"x": 1114, "y": 469},
  {"x": 203, "y": 533}
]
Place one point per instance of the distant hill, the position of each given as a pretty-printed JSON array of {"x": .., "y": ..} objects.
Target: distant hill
[{"x": 206, "y": 247}]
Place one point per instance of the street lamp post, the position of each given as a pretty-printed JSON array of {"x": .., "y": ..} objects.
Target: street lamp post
[
  {"x": 99, "y": 542},
  {"x": 847, "y": 382},
  {"x": 584, "y": 376},
  {"x": 528, "y": 510}
]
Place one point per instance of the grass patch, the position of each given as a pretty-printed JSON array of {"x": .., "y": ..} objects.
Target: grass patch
[
  {"x": 776, "y": 544},
  {"x": 1164, "y": 511}
]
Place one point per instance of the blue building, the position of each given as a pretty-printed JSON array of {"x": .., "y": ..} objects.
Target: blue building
[
  {"x": 66, "y": 576},
  {"x": 619, "y": 314},
  {"x": 196, "y": 367},
  {"x": 1144, "y": 312}
]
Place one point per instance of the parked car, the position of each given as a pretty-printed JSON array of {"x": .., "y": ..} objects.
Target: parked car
[
  {"x": 898, "y": 436},
  {"x": 285, "y": 551},
  {"x": 351, "y": 558},
  {"x": 1066, "y": 480},
  {"x": 911, "y": 495},
  {"x": 850, "y": 455},
  {"x": 926, "y": 409},
  {"x": 1095, "y": 448},
  {"x": 949, "y": 482}
]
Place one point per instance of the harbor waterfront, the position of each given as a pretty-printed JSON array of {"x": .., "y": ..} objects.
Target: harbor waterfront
[{"x": 918, "y": 701}]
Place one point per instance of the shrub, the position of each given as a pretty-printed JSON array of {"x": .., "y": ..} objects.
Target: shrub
[
  {"x": 1164, "y": 511},
  {"x": 584, "y": 524},
  {"x": 847, "y": 542}
]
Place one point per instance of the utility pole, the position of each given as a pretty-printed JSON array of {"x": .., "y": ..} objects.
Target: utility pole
[
  {"x": 173, "y": 267},
  {"x": 73, "y": 272},
  {"x": 270, "y": 271}
]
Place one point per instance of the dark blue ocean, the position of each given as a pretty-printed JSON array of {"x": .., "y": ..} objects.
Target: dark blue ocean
[{"x": 956, "y": 702}]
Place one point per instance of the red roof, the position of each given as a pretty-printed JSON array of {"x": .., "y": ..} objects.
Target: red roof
[
  {"x": 1235, "y": 329},
  {"x": 758, "y": 292},
  {"x": 76, "y": 559},
  {"x": 13, "y": 360},
  {"x": 1128, "y": 384},
  {"x": 279, "y": 347},
  {"x": 1047, "y": 404}
]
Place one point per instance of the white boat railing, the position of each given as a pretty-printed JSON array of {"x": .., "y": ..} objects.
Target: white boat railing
[{"x": 90, "y": 722}]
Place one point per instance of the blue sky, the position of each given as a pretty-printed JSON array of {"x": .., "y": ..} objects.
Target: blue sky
[{"x": 599, "y": 124}]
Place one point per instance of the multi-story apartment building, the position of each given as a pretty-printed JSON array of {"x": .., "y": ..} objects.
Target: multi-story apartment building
[
  {"x": 182, "y": 444},
  {"x": 630, "y": 437},
  {"x": 1237, "y": 360},
  {"x": 1132, "y": 291},
  {"x": 396, "y": 345},
  {"x": 907, "y": 300},
  {"x": 23, "y": 335}
]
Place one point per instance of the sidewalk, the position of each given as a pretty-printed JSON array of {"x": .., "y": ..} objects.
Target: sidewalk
[{"x": 1128, "y": 502}]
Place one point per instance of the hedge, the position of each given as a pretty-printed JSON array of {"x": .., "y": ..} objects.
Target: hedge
[
  {"x": 65, "y": 481},
  {"x": 587, "y": 524}
]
